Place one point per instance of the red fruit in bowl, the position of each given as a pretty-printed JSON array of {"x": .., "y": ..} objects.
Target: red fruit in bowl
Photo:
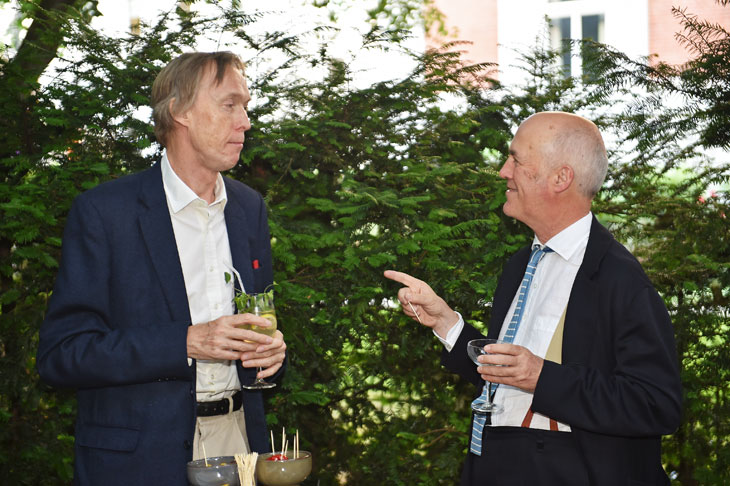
[{"x": 277, "y": 457}]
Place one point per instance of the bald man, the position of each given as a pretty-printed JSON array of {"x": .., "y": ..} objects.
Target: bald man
[{"x": 587, "y": 375}]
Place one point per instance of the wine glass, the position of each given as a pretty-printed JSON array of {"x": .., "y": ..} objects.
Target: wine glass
[
  {"x": 474, "y": 349},
  {"x": 260, "y": 304}
]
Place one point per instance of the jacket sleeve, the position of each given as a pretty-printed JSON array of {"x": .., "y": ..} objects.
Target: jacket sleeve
[
  {"x": 87, "y": 338},
  {"x": 457, "y": 360}
]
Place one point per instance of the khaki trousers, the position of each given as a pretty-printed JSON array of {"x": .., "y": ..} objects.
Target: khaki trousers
[{"x": 220, "y": 435}]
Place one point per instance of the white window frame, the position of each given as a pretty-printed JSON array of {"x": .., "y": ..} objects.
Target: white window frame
[{"x": 576, "y": 10}]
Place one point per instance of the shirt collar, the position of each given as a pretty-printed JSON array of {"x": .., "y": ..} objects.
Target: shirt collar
[
  {"x": 180, "y": 195},
  {"x": 568, "y": 242}
]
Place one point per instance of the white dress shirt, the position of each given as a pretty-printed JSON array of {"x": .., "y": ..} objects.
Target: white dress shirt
[
  {"x": 546, "y": 301},
  {"x": 205, "y": 257}
]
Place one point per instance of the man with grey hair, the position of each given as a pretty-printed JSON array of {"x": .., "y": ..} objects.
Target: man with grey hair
[
  {"x": 585, "y": 378},
  {"x": 141, "y": 321}
]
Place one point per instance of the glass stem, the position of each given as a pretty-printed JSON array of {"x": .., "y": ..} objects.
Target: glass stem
[{"x": 488, "y": 386}]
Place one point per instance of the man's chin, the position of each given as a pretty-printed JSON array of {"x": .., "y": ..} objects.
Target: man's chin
[
  {"x": 507, "y": 210},
  {"x": 230, "y": 163}
]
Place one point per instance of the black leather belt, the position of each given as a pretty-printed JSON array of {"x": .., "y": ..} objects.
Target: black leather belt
[{"x": 220, "y": 407}]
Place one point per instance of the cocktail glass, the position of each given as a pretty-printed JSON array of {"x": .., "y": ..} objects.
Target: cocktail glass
[
  {"x": 474, "y": 349},
  {"x": 260, "y": 304}
]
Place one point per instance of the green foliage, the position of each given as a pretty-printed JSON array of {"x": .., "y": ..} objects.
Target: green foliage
[
  {"x": 359, "y": 181},
  {"x": 35, "y": 194}
]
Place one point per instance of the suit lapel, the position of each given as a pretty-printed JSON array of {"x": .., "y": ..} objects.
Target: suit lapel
[
  {"x": 580, "y": 332},
  {"x": 159, "y": 237},
  {"x": 238, "y": 234}
]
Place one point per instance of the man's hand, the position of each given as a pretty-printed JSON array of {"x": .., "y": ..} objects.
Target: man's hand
[
  {"x": 224, "y": 339},
  {"x": 421, "y": 303},
  {"x": 269, "y": 357},
  {"x": 519, "y": 367}
]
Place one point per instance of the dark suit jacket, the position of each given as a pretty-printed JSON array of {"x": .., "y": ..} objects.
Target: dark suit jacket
[
  {"x": 116, "y": 329},
  {"x": 618, "y": 386}
]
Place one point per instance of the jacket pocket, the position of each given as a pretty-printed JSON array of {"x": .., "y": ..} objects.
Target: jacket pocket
[{"x": 111, "y": 438}]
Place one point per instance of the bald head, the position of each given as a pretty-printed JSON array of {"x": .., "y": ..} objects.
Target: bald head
[
  {"x": 556, "y": 165},
  {"x": 568, "y": 139}
]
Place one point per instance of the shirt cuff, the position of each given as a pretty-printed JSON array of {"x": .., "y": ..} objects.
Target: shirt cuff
[{"x": 453, "y": 335}]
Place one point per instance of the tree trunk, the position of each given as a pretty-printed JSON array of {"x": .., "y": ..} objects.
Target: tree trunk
[{"x": 41, "y": 42}]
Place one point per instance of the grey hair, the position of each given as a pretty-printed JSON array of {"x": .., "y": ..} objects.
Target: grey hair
[{"x": 583, "y": 149}]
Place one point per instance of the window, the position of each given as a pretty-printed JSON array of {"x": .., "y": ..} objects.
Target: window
[
  {"x": 577, "y": 26},
  {"x": 560, "y": 41},
  {"x": 592, "y": 27}
]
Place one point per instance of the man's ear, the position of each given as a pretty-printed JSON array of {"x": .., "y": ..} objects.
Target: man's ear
[
  {"x": 181, "y": 118},
  {"x": 563, "y": 178}
]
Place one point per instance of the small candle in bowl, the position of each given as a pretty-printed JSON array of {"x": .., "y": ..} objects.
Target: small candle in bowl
[
  {"x": 292, "y": 469},
  {"x": 213, "y": 471}
]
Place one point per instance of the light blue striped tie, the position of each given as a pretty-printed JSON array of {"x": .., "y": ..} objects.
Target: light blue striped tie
[{"x": 480, "y": 419}]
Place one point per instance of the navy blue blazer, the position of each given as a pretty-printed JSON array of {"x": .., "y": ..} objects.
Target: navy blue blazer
[
  {"x": 116, "y": 329},
  {"x": 618, "y": 386}
]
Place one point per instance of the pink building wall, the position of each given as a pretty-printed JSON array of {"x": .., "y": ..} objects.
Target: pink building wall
[
  {"x": 472, "y": 20},
  {"x": 663, "y": 25}
]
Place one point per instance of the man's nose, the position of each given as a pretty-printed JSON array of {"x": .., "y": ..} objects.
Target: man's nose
[
  {"x": 506, "y": 171},
  {"x": 243, "y": 122}
]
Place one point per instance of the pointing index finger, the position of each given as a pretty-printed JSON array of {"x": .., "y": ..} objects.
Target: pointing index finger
[{"x": 403, "y": 278}]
